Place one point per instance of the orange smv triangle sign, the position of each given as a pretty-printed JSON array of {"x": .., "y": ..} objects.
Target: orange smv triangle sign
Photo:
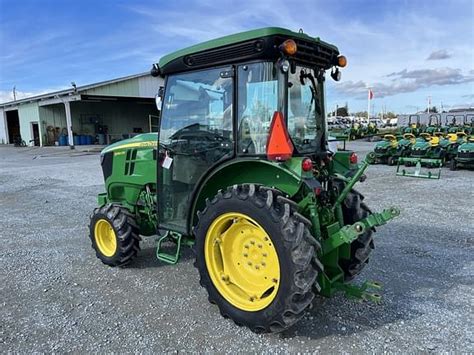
[{"x": 279, "y": 146}]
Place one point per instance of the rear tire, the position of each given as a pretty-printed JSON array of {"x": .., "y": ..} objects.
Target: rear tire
[
  {"x": 295, "y": 248},
  {"x": 452, "y": 164},
  {"x": 123, "y": 243},
  {"x": 353, "y": 210},
  {"x": 390, "y": 161}
]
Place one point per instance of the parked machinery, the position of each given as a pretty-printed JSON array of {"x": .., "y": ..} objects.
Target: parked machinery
[
  {"x": 385, "y": 150},
  {"x": 450, "y": 143},
  {"x": 413, "y": 127},
  {"x": 244, "y": 177},
  {"x": 468, "y": 124},
  {"x": 426, "y": 149},
  {"x": 355, "y": 131},
  {"x": 434, "y": 124},
  {"x": 464, "y": 157},
  {"x": 453, "y": 123}
]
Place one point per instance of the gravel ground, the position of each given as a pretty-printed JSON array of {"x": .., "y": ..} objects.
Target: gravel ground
[{"x": 57, "y": 297}]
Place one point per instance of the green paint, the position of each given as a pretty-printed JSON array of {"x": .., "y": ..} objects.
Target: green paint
[
  {"x": 236, "y": 38},
  {"x": 131, "y": 170}
]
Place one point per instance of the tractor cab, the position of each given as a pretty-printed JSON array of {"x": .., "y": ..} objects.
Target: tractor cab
[
  {"x": 224, "y": 99},
  {"x": 434, "y": 124},
  {"x": 453, "y": 123},
  {"x": 468, "y": 124},
  {"x": 413, "y": 125}
]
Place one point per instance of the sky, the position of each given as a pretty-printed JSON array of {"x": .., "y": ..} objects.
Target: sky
[{"x": 406, "y": 51}]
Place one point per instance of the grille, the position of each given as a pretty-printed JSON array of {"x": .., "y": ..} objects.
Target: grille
[
  {"x": 224, "y": 54},
  {"x": 313, "y": 53},
  {"x": 466, "y": 155},
  {"x": 418, "y": 153}
]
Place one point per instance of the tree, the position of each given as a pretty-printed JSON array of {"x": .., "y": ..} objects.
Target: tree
[
  {"x": 361, "y": 114},
  {"x": 432, "y": 109},
  {"x": 341, "y": 111}
]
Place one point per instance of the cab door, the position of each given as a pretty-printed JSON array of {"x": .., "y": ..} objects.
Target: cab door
[{"x": 196, "y": 133}]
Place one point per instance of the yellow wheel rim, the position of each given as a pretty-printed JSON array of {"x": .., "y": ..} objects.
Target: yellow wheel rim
[
  {"x": 242, "y": 261},
  {"x": 105, "y": 238}
]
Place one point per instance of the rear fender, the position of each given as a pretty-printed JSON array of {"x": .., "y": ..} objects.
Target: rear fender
[{"x": 244, "y": 171}]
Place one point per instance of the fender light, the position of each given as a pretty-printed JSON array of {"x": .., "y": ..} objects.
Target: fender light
[
  {"x": 353, "y": 158},
  {"x": 279, "y": 146},
  {"x": 307, "y": 164}
]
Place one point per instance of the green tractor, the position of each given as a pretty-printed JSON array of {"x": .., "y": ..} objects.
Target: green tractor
[
  {"x": 468, "y": 124},
  {"x": 413, "y": 127},
  {"x": 465, "y": 155},
  {"x": 426, "y": 149},
  {"x": 453, "y": 123},
  {"x": 404, "y": 146},
  {"x": 386, "y": 150},
  {"x": 355, "y": 131},
  {"x": 371, "y": 129},
  {"x": 434, "y": 124},
  {"x": 450, "y": 143},
  {"x": 241, "y": 171}
]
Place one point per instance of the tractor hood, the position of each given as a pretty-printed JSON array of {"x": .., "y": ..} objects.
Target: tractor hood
[{"x": 146, "y": 140}]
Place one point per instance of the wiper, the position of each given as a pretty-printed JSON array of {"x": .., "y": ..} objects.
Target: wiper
[{"x": 313, "y": 87}]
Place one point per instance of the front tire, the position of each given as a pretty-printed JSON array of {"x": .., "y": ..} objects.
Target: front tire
[
  {"x": 240, "y": 234},
  {"x": 114, "y": 235}
]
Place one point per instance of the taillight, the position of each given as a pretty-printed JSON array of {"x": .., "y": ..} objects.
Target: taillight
[
  {"x": 307, "y": 164},
  {"x": 353, "y": 158}
]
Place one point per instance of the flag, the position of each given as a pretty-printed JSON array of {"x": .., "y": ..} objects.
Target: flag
[{"x": 371, "y": 94}]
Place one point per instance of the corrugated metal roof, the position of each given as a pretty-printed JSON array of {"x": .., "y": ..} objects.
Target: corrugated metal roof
[{"x": 72, "y": 91}]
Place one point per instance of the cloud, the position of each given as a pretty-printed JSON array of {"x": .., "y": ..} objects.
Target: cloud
[
  {"x": 439, "y": 55},
  {"x": 406, "y": 81},
  {"x": 7, "y": 96}
]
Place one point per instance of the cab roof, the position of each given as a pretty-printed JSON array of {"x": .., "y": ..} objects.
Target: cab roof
[{"x": 255, "y": 44}]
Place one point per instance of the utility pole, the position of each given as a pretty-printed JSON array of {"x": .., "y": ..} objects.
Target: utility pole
[
  {"x": 14, "y": 93},
  {"x": 369, "y": 97}
]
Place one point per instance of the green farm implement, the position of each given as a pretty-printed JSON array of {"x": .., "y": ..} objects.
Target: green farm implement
[
  {"x": 468, "y": 124},
  {"x": 386, "y": 150},
  {"x": 428, "y": 150},
  {"x": 454, "y": 124},
  {"x": 450, "y": 143},
  {"x": 355, "y": 131},
  {"x": 413, "y": 127},
  {"x": 389, "y": 150},
  {"x": 240, "y": 170},
  {"x": 434, "y": 124},
  {"x": 464, "y": 157},
  {"x": 418, "y": 171}
]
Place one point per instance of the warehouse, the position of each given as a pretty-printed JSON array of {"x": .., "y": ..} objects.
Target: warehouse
[{"x": 99, "y": 113}]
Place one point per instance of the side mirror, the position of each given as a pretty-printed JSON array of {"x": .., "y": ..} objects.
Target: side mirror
[
  {"x": 336, "y": 74},
  {"x": 159, "y": 98}
]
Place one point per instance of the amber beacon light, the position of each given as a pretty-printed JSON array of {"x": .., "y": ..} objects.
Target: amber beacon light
[
  {"x": 341, "y": 61},
  {"x": 289, "y": 47}
]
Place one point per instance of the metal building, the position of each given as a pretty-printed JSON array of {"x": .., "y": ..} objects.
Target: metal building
[{"x": 99, "y": 113}]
